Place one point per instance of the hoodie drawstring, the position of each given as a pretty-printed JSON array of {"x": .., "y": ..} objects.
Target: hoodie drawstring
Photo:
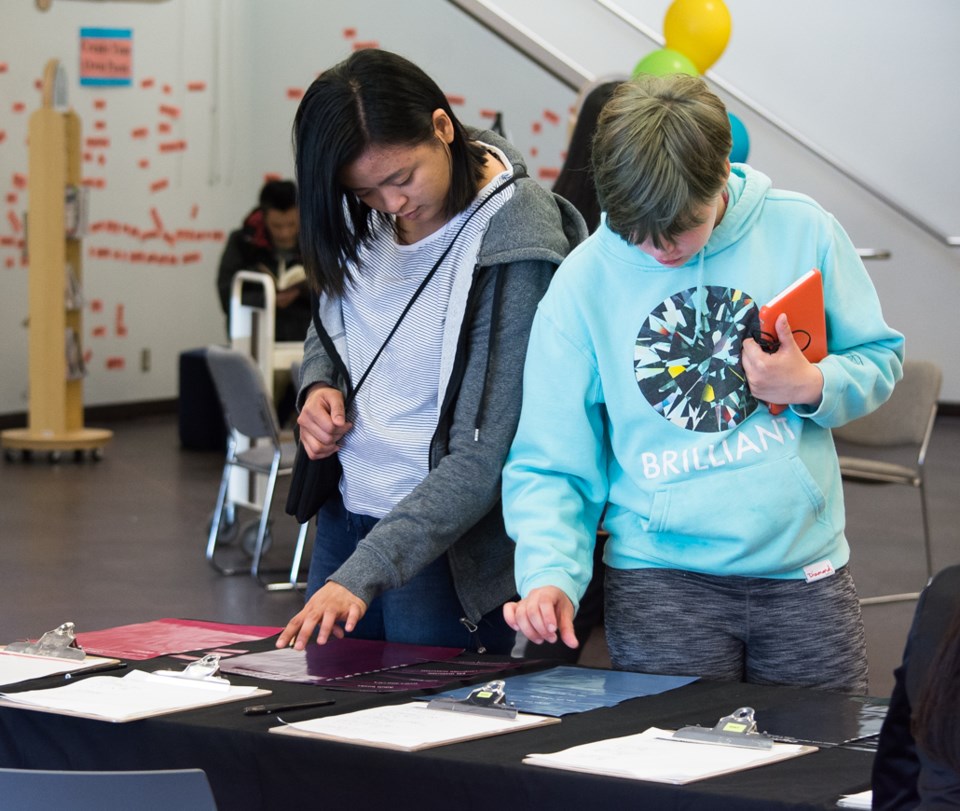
[
  {"x": 700, "y": 291},
  {"x": 491, "y": 340}
]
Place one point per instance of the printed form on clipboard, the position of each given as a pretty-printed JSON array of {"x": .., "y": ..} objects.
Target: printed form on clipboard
[{"x": 802, "y": 302}]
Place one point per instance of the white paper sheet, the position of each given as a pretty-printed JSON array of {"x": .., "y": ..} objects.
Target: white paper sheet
[
  {"x": 410, "y": 726},
  {"x": 652, "y": 756},
  {"x": 863, "y": 800},
  {"x": 17, "y": 667},
  {"x": 136, "y": 695}
]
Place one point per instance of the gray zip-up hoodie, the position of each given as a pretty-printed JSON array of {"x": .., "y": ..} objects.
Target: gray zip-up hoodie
[{"x": 456, "y": 510}]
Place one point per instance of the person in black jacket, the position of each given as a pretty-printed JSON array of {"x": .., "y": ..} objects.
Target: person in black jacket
[
  {"x": 268, "y": 241},
  {"x": 918, "y": 757}
]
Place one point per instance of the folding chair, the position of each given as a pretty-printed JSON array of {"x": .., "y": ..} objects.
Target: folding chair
[
  {"x": 890, "y": 445},
  {"x": 43, "y": 790},
  {"x": 254, "y": 444},
  {"x": 253, "y": 328}
]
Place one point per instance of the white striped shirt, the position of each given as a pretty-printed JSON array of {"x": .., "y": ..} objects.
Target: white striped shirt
[{"x": 386, "y": 453}]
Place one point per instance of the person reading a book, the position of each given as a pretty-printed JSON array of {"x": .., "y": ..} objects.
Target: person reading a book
[
  {"x": 396, "y": 197},
  {"x": 644, "y": 394},
  {"x": 268, "y": 242}
]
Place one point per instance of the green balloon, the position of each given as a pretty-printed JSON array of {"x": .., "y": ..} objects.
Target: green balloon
[{"x": 664, "y": 62}]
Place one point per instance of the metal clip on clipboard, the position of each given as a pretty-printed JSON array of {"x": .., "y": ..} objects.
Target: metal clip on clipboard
[
  {"x": 490, "y": 699},
  {"x": 737, "y": 729},
  {"x": 60, "y": 643},
  {"x": 204, "y": 670}
]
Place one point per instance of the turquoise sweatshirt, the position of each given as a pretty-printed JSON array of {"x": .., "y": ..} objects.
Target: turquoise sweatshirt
[{"x": 634, "y": 397}]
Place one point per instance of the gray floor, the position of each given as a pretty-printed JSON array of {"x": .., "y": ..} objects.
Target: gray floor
[{"x": 122, "y": 540}]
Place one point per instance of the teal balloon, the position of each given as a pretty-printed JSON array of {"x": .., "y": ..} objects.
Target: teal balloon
[
  {"x": 741, "y": 140},
  {"x": 664, "y": 62}
]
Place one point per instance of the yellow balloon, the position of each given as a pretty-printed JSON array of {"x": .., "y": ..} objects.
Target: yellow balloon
[{"x": 699, "y": 29}]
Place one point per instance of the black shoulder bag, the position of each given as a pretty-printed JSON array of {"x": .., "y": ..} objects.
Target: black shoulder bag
[{"x": 313, "y": 481}]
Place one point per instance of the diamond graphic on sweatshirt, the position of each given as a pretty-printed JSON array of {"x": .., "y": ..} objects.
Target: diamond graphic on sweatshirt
[{"x": 687, "y": 358}]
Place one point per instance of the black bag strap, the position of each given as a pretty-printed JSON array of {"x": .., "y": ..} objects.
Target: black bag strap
[
  {"x": 328, "y": 343},
  {"x": 331, "y": 350}
]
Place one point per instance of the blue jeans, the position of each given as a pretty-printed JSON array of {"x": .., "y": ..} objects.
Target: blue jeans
[{"x": 424, "y": 611}]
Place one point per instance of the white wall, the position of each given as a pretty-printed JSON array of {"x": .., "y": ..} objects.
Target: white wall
[
  {"x": 165, "y": 308},
  {"x": 871, "y": 83},
  {"x": 299, "y": 38},
  {"x": 252, "y": 55},
  {"x": 868, "y": 80}
]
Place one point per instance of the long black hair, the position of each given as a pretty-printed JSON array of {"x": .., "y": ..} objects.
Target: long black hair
[
  {"x": 373, "y": 98},
  {"x": 575, "y": 181},
  {"x": 938, "y": 706}
]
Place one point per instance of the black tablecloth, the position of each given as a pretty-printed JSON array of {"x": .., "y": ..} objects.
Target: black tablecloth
[{"x": 251, "y": 769}]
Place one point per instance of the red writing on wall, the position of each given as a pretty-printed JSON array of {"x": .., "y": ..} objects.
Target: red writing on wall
[{"x": 106, "y": 58}]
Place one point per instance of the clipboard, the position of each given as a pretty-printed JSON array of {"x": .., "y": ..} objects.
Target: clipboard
[
  {"x": 655, "y": 756},
  {"x": 802, "y": 302},
  {"x": 16, "y": 668},
  {"x": 82, "y": 698},
  {"x": 409, "y": 727}
]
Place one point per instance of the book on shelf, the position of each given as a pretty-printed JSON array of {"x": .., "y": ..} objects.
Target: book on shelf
[
  {"x": 75, "y": 365},
  {"x": 75, "y": 208},
  {"x": 73, "y": 292},
  {"x": 802, "y": 302}
]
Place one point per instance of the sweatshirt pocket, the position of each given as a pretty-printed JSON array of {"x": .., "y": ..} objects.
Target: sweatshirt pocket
[{"x": 750, "y": 505}]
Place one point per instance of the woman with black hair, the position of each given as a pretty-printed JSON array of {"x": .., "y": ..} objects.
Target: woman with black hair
[
  {"x": 400, "y": 203},
  {"x": 575, "y": 181},
  {"x": 918, "y": 757}
]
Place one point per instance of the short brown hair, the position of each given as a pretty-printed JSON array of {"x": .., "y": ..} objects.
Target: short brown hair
[{"x": 659, "y": 155}]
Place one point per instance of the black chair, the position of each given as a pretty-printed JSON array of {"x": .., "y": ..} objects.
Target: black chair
[{"x": 46, "y": 790}]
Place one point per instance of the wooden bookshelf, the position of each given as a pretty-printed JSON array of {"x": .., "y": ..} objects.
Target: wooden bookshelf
[{"x": 55, "y": 412}]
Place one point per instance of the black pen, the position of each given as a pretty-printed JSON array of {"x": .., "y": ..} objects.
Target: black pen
[
  {"x": 83, "y": 671},
  {"x": 267, "y": 709}
]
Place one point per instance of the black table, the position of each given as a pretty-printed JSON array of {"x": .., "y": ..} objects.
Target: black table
[{"x": 251, "y": 769}]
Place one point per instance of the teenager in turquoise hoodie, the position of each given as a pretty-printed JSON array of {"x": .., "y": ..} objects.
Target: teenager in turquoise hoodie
[{"x": 645, "y": 397}]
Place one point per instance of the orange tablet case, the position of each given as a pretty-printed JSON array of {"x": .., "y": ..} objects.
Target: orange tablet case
[{"x": 802, "y": 301}]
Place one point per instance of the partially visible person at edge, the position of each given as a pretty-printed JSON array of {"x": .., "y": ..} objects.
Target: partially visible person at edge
[
  {"x": 575, "y": 183},
  {"x": 412, "y": 547},
  {"x": 644, "y": 394},
  {"x": 268, "y": 242},
  {"x": 917, "y": 765}
]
